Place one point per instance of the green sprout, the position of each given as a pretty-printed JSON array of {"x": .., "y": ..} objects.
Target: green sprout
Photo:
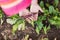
[{"x": 46, "y": 29}]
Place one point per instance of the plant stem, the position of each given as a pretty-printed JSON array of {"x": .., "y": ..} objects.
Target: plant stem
[{"x": 4, "y": 17}]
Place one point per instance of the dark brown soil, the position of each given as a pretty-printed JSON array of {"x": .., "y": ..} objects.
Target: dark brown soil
[{"x": 6, "y": 33}]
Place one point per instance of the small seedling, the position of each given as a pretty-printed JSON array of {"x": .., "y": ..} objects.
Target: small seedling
[{"x": 46, "y": 29}]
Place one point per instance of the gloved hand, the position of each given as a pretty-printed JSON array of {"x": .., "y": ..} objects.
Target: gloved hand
[
  {"x": 31, "y": 15},
  {"x": 12, "y": 7}
]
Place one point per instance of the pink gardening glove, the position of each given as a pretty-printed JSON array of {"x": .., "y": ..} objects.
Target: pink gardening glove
[
  {"x": 12, "y": 7},
  {"x": 3, "y": 2},
  {"x": 34, "y": 9},
  {"x": 31, "y": 15}
]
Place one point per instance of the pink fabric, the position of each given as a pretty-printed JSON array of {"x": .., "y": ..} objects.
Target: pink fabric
[
  {"x": 6, "y": 1},
  {"x": 15, "y": 9},
  {"x": 2, "y": 1}
]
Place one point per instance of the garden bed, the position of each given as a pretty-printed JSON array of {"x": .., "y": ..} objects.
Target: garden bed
[{"x": 47, "y": 27}]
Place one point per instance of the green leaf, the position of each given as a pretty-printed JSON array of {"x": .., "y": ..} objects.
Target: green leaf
[
  {"x": 0, "y": 11},
  {"x": 21, "y": 26},
  {"x": 0, "y": 15},
  {"x": 37, "y": 30},
  {"x": 56, "y": 2},
  {"x": 39, "y": 27},
  {"x": 47, "y": 5},
  {"x": 52, "y": 21},
  {"x": 46, "y": 12},
  {"x": 55, "y": 17},
  {"x": 42, "y": 4},
  {"x": 15, "y": 17},
  {"x": 45, "y": 39},
  {"x": 46, "y": 29},
  {"x": 11, "y": 21},
  {"x": 26, "y": 37},
  {"x": 51, "y": 9},
  {"x": 54, "y": 12},
  {"x": 15, "y": 26}
]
